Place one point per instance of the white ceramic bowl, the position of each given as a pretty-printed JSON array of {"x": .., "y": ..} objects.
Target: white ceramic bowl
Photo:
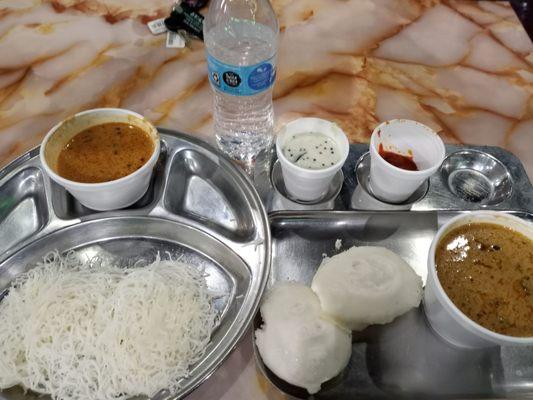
[
  {"x": 103, "y": 196},
  {"x": 443, "y": 315},
  {"x": 304, "y": 183},
  {"x": 395, "y": 185}
]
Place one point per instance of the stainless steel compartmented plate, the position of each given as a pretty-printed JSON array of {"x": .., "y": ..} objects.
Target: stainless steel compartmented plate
[{"x": 199, "y": 206}]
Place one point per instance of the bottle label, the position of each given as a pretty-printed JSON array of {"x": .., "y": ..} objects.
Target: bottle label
[{"x": 241, "y": 81}]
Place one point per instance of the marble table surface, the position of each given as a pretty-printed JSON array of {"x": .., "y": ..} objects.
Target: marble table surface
[{"x": 461, "y": 67}]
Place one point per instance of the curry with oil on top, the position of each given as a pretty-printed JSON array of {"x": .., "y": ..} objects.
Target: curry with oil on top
[
  {"x": 487, "y": 271},
  {"x": 104, "y": 153}
]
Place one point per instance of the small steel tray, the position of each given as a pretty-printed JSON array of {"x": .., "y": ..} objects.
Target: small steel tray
[
  {"x": 471, "y": 178},
  {"x": 198, "y": 207},
  {"x": 403, "y": 359}
]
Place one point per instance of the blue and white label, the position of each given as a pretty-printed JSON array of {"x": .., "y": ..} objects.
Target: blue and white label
[{"x": 241, "y": 81}]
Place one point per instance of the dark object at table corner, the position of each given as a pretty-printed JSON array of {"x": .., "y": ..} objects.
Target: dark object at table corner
[
  {"x": 524, "y": 12},
  {"x": 185, "y": 17}
]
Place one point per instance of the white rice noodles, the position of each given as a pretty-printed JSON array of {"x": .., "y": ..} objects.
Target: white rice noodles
[{"x": 90, "y": 330}]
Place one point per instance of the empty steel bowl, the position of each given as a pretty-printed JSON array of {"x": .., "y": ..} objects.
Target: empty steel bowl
[{"x": 476, "y": 177}]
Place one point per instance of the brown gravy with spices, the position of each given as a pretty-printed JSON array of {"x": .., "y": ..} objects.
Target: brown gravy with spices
[
  {"x": 104, "y": 153},
  {"x": 487, "y": 271}
]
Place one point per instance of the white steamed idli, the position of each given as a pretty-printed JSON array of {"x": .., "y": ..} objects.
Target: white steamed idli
[
  {"x": 366, "y": 285},
  {"x": 296, "y": 342}
]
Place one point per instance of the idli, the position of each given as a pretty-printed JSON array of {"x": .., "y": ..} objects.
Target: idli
[
  {"x": 297, "y": 342},
  {"x": 366, "y": 285}
]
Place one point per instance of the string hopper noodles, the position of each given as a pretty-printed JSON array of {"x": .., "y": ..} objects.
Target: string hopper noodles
[{"x": 89, "y": 330}]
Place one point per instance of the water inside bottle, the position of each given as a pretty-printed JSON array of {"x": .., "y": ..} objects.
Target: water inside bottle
[{"x": 243, "y": 125}]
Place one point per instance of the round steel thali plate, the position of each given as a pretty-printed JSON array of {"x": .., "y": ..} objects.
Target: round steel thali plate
[{"x": 199, "y": 207}]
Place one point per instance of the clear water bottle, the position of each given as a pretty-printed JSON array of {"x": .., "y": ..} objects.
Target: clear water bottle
[{"x": 241, "y": 38}]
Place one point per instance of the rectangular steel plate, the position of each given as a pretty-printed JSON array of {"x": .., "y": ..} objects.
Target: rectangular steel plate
[{"x": 405, "y": 358}]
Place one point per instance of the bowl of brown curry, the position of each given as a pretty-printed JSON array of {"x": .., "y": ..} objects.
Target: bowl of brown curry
[
  {"x": 103, "y": 157},
  {"x": 479, "y": 291}
]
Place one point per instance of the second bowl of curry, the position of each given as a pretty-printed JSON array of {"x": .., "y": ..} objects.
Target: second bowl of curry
[{"x": 479, "y": 291}]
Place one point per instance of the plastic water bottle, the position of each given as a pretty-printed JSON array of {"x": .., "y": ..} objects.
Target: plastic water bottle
[{"x": 241, "y": 39}]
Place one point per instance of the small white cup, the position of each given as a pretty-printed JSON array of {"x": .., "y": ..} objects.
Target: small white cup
[
  {"x": 395, "y": 185},
  {"x": 103, "y": 196},
  {"x": 304, "y": 183},
  {"x": 443, "y": 315}
]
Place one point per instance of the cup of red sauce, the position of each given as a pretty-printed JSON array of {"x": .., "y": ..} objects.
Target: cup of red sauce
[{"x": 403, "y": 154}]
